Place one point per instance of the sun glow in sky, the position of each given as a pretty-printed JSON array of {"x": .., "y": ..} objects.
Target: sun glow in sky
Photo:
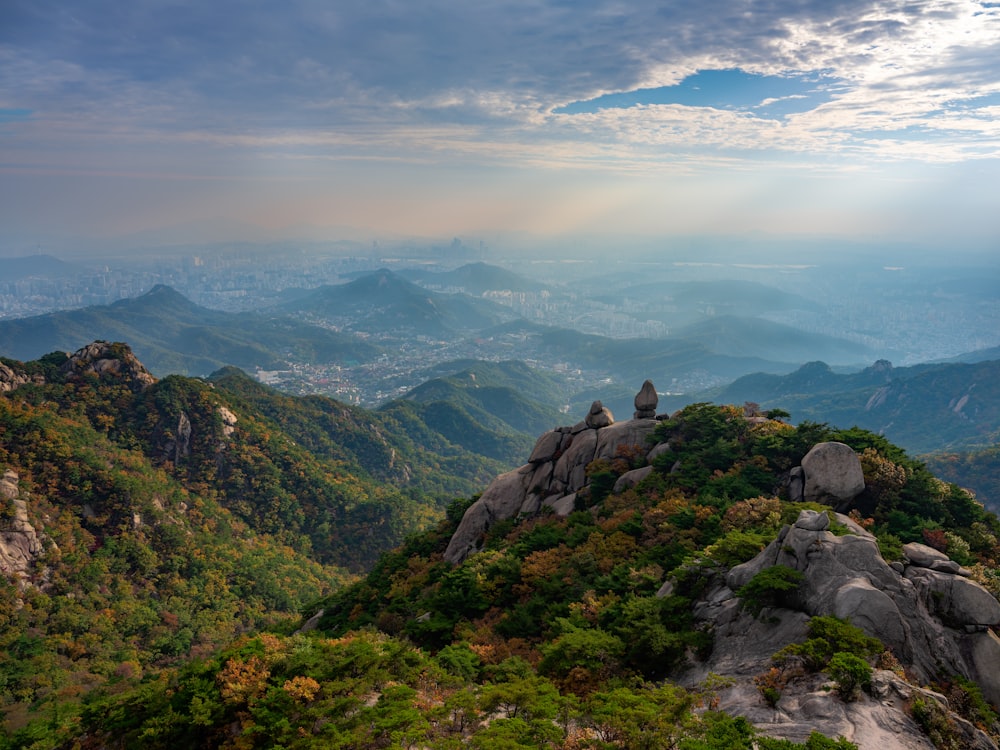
[{"x": 833, "y": 118}]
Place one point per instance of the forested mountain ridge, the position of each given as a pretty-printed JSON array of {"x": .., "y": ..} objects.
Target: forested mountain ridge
[
  {"x": 174, "y": 335},
  {"x": 923, "y": 408},
  {"x": 589, "y": 621},
  {"x": 145, "y": 521}
]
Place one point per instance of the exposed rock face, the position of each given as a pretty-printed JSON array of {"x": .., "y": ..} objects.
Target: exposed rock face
[
  {"x": 229, "y": 421},
  {"x": 102, "y": 358},
  {"x": 12, "y": 379},
  {"x": 932, "y": 616},
  {"x": 645, "y": 401},
  {"x": 631, "y": 478},
  {"x": 599, "y": 416},
  {"x": 923, "y": 556},
  {"x": 180, "y": 446},
  {"x": 934, "y": 622},
  {"x": 556, "y": 471},
  {"x": 928, "y": 618},
  {"x": 878, "y": 721},
  {"x": 833, "y": 474},
  {"x": 20, "y": 544}
]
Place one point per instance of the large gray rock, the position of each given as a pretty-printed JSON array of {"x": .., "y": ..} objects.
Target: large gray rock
[
  {"x": 870, "y": 609},
  {"x": 631, "y": 479},
  {"x": 546, "y": 447},
  {"x": 923, "y": 556},
  {"x": 645, "y": 401},
  {"x": 833, "y": 474},
  {"x": 881, "y": 720},
  {"x": 658, "y": 450},
  {"x": 958, "y": 601},
  {"x": 982, "y": 652},
  {"x": 599, "y": 416},
  {"x": 502, "y": 499},
  {"x": 796, "y": 485},
  {"x": 633, "y": 433},
  {"x": 20, "y": 545},
  {"x": 924, "y": 616},
  {"x": 812, "y": 520},
  {"x": 561, "y": 506},
  {"x": 571, "y": 469}
]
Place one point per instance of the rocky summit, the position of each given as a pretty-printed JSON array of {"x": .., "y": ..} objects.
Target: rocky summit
[{"x": 924, "y": 608}]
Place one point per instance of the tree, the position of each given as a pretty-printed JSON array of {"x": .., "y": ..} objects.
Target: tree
[
  {"x": 771, "y": 587},
  {"x": 852, "y": 674}
]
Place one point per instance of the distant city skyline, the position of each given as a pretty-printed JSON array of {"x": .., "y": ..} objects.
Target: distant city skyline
[{"x": 862, "y": 121}]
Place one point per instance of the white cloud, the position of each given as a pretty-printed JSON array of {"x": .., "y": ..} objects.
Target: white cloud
[{"x": 200, "y": 88}]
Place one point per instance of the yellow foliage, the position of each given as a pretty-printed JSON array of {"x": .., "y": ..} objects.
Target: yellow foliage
[
  {"x": 882, "y": 476},
  {"x": 757, "y": 511},
  {"x": 591, "y": 605},
  {"x": 301, "y": 688},
  {"x": 243, "y": 681}
]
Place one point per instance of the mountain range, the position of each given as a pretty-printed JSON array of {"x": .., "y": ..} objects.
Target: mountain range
[
  {"x": 175, "y": 555},
  {"x": 383, "y": 301},
  {"x": 174, "y": 335},
  {"x": 924, "y": 408}
]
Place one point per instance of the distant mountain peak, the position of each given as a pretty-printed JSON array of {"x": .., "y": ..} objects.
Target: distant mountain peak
[{"x": 160, "y": 295}]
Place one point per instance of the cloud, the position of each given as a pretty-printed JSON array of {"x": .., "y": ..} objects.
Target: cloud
[{"x": 257, "y": 88}]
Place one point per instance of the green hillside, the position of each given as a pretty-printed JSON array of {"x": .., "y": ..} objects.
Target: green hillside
[
  {"x": 167, "y": 517},
  {"x": 975, "y": 469},
  {"x": 391, "y": 445},
  {"x": 558, "y": 633},
  {"x": 494, "y": 409}
]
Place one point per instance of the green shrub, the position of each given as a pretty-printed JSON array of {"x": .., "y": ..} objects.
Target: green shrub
[
  {"x": 934, "y": 721},
  {"x": 852, "y": 674},
  {"x": 771, "y": 587},
  {"x": 827, "y": 637}
]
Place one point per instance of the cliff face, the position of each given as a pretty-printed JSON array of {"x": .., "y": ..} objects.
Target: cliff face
[
  {"x": 925, "y": 610},
  {"x": 20, "y": 545}
]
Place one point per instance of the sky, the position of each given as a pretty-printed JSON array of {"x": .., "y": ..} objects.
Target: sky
[{"x": 861, "y": 121}]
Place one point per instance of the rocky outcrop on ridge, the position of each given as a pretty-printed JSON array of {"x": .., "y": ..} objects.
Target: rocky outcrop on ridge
[
  {"x": 645, "y": 401},
  {"x": 932, "y": 617},
  {"x": 557, "y": 470},
  {"x": 925, "y": 608},
  {"x": 98, "y": 359},
  {"x": 11, "y": 379},
  {"x": 102, "y": 358}
]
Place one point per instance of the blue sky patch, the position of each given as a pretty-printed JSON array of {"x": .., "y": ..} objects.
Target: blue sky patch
[
  {"x": 909, "y": 133},
  {"x": 771, "y": 97},
  {"x": 14, "y": 115},
  {"x": 976, "y": 102}
]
